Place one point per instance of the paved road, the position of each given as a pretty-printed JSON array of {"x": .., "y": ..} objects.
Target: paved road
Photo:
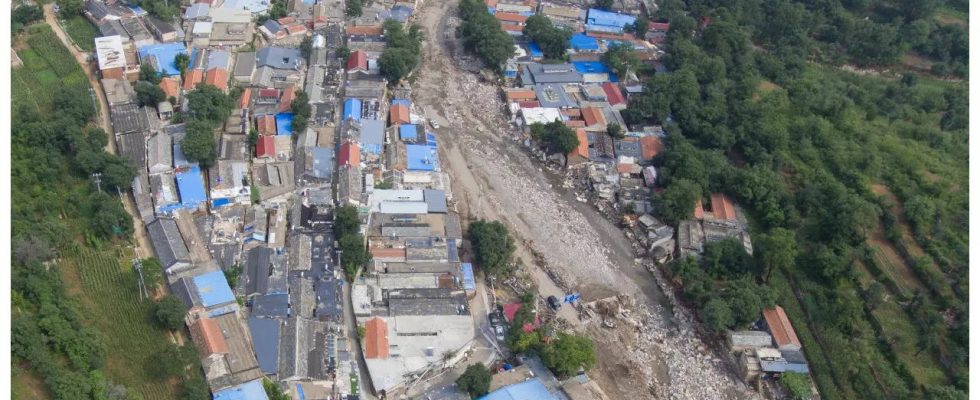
[{"x": 82, "y": 59}]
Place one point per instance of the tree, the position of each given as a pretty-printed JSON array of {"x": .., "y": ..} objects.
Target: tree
[
  {"x": 274, "y": 391},
  {"x": 717, "y": 314},
  {"x": 182, "y": 61},
  {"x": 170, "y": 312},
  {"x": 24, "y": 15},
  {"x": 677, "y": 201},
  {"x": 231, "y": 275},
  {"x": 776, "y": 250},
  {"x": 118, "y": 172},
  {"x": 745, "y": 300},
  {"x": 874, "y": 295},
  {"x": 354, "y": 8},
  {"x": 353, "y": 254},
  {"x": 615, "y": 130},
  {"x": 604, "y": 4},
  {"x": 938, "y": 392},
  {"x": 194, "y": 388},
  {"x": 569, "y": 353},
  {"x": 167, "y": 363},
  {"x": 199, "y": 144},
  {"x": 493, "y": 246},
  {"x": 208, "y": 103},
  {"x": 306, "y": 46},
  {"x": 107, "y": 217},
  {"x": 797, "y": 384},
  {"x": 640, "y": 27},
  {"x": 553, "y": 40},
  {"x": 475, "y": 381},
  {"x": 483, "y": 35},
  {"x": 346, "y": 221},
  {"x": 621, "y": 59},
  {"x": 70, "y": 8},
  {"x": 396, "y": 63},
  {"x": 149, "y": 94},
  {"x": 342, "y": 53},
  {"x": 556, "y": 137},
  {"x": 149, "y": 74},
  {"x": 301, "y": 111}
]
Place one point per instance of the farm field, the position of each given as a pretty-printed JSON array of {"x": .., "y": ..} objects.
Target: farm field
[
  {"x": 82, "y": 32},
  {"x": 110, "y": 299},
  {"x": 45, "y": 70}
]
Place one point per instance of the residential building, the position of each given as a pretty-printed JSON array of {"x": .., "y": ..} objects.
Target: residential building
[
  {"x": 112, "y": 60},
  {"x": 168, "y": 245},
  {"x": 781, "y": 329}
]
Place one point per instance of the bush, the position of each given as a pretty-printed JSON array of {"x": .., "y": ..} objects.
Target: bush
[
  {"x": 170, "y": 312},
  {"x": 797, "y": 384},
  {"x": 493, "y": 246},
  {"x": 475, "y": 381},
  {"x": 569, "y": 353}
]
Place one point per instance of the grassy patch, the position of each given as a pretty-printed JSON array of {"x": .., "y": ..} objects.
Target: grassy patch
[
  {"x": 82, "y": 32},
  {"x": 111, "y": 300},
  {"x": 949, "y": 16},
  {"x": 48, "y": 68},
  {"x": 902, "y": 336},
  {"x": 27, "y": 385}
]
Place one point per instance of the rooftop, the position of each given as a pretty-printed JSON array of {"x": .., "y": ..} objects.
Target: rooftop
[
  {"x": 780, "y": 327},
  {"x": 531, "y": 389},
  {"x": 213, "y": 289}
]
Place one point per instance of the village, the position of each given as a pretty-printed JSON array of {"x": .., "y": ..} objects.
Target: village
[{"x": 250, "y": 245}]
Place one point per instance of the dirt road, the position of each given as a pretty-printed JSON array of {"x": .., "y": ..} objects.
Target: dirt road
[
  {"x": 139, "y": 231},
  {"x": 655, "y": 354}
]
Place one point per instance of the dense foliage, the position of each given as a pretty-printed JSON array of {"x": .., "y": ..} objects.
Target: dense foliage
[
  {"x": 347, "y": 228},
  {"x": 25, "y": 15},
  {"x": 567, "y": 354},
  {"x": 301, "y": 112},
  {"x": 354, "y": 8},
  {"x": 475, "y": 381},
  {"x": 831, "y": 167},
  {"x": 553, "y": 40},
  {"x": 403, "y": 52},
  {"x": 170, "y": 312},
  {"x": 493, "y": 246},
  {"x": 483, "y": 35},
  {"x": 555, "y": 136},
  {"x": 798, "y": 385}
]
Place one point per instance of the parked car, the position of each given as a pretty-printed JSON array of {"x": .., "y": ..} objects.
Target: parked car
[
  {"x": 494, "y": 319},
  {"x": 499, "y": 330},
  {"x": 554, "y": 303},
  {"x": 435, "y": 125}
]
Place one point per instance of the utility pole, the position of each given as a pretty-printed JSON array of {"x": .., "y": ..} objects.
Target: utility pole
[{"x": 98, "y": 180}]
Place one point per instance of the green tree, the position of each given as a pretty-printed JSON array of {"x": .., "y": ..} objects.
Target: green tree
[
  {"x": 26, "y": 14},
  {"x": 274, "y": 391},
  {"x": 938, "y": 392},
  {"x": 353, "y": 254},
  {"x": 149, "y": 74},
  {"x": 232, "y": 274},
  {"x": 776, "y": 250},
  {"x": 483, "y": 35},
  {"x": 168, "y": 362},
  {"x": 354, "y": 8},
  {"x": 396, "y": 63},
  {"x": 717, "y": 314},
  {"x": 306, "y": 46},
  {"x": 107, "y": 217},
  {"x": 797, "y": 384},
  {"x": 874, "y": 295},
  {"x": 621, "y": 59},
  {"x": 70, "y": 8},
  {"x": 615, "y": 130},
  {"x": 118, "y": 172},
  {"x": 170, "y": 312},
  {"x": 346, "y": 221},
  {"x": 604, "y": 4},
  {"x": 149, "y": 94},
  {"x": 553, "y": 40},
  {"x": 677, "y": 201},
  {"x": 210, "y": 104},
  {"x": 555, "y": 136},
  {"x": 199, "y": 144},
  {"x": 493, "y": 246},
  {"x": 640, "y": 27},
  {"x": 569, "y": 353},
  {"x": 182, "y": 61},
  {"x": 342, "y": 53},
  {"x": 475, "y": 381},
  {"x": 194, "y": 388}
]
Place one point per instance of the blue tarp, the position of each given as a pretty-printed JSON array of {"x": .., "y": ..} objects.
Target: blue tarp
[
  {"x": 534, "y": 49},
  {"x": 284, "y": 124},
  {"x": 213, "y": 289},
  {"x": 430, "y": 139},
  {"x": 531, "y": 389},
  {"x": 247, "y": 391},
  {"x": 136, "y": 10},
  {"x": 469, "y": 282},
  {"x": 582, "y": 42},
  {"x": 352, "y": 109},
  {"x": 594, "y": 67},
  {"x": 165, "y": 54},
  {"x": 607, "y": 21},
  {"x": 422, "y": 158},
  {"x": 408, "y": 132},
  {"x": 299, "y": 392},
  {"x": 221, "y": 202},
  {"x": 190, "y": 185},
  {"x": 404, "y": 102}
]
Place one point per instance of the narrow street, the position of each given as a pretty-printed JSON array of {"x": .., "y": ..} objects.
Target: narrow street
[
  {"x": 139, "y": 231},
  {"x": 351, "y": 327}
]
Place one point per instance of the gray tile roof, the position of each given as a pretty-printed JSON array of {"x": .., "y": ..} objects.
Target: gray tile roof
[
  {"x": 167, "y": 243},
  {"x": 271, "y": 305},
  {"x": 244, "y": 64},
  {"x": 218, "y": 59},
  {"x": 279, "y": 57},
  {"x": 265, "y": 341},
  {"x": 295, "y": 343},
  {"x": 323, "y": 160},
  {"x": 436, "y": 200},
  {"x": 552, "y": 95},
  {"x": 535, "y": 73},
  {"x": 127, "y": 118},
  {"x": 437, "y": 301},
  {"x": 372, "y": 132},
  {"x": 258, "y": 268}
]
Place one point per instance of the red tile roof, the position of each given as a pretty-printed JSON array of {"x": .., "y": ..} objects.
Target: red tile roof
[
  {"x": 699, "y": 210},
  {"x": 266, "y": 125},
  {"x": 593, "y": 116},
  {"x": 529, "y": 104},
  {"x": 357, "y": 61},
  {"x": 288, "y": 95},
  {"x": 613, "y": 94},
  {"x": 575, "y": 123},
  {"x": 571, "y": 112},
  {"x": 376, "y": 339},
  {"x": 217, "y": 77},
  {"x": 658, "y": 26},
  {"x": 520, "y": 94},
  {"x": 512, "y": 28},
  {"x": 780, "y": 327},
  {"x": 722, "y": 207},
  {"x": 246, "y": 97},
  {"x": 269, "y": 93},
  {"x": 650, "y": 146},
  {"x": 266, "y": 146},
  {"x": 350, "y": 154},
  {"x": 295, "y": 29},
  {"x": 398, "y": 114},
  {"x": 510, "y": 17},
  {"x": 286, "y": 20},
  {"x": 384, "y": 252},
  {"x": 510, "y": 310},
  {"x": 583, "y": 144},
  {"x": 170, "y": 86},
  {"x": 365, "y": 30},
  {"x": 192, "y": 78},
  {"x": 208, "y": 336}
]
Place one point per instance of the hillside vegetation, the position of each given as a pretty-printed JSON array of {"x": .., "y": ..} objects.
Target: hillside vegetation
[{"x": 758, "y": 107}]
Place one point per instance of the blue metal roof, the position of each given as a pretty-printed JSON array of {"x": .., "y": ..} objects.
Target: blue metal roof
[
  {"x": 531, "y": 389},
  {"x": 284, "y": 124},
  {"x": 594, "y": 67},
  {"x": 582, "y": 42},
  {"x": 430, "y": 139},
  {"x": 469, "y": 281},
  {"x": 534, "y": 49},
  {"x": 252, "y": 390},
  {"x": 190, "y": 185},
  {"x": 352, "y": 109},
  {"x": 422, "y": 158},
  {"x": 165, "y": 54},
  {"x": 602, "y": 20},
  {"x": 408, "y": 132},
  {"x": 213, "y": 289}
]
